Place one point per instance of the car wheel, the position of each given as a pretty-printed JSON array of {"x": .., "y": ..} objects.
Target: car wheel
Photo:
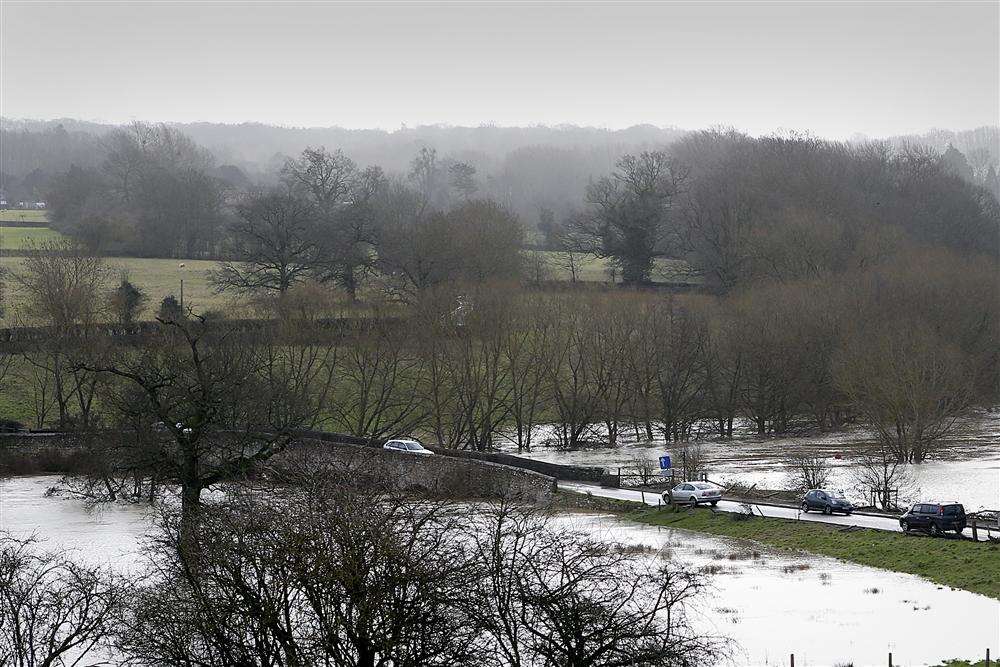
[
  {"x": 714, "y": 503},
  {"x": 827, "y": 510},
  {"x": 847, "y": 514},
  {"x": 935, "y": 531},
  {"x": 692, "y": 501},
  {"x": 805, "y": 507},
  {"x": 905, "y": 525}
]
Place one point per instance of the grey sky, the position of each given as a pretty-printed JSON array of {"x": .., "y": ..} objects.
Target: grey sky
[{"x": 830, "y": 68}]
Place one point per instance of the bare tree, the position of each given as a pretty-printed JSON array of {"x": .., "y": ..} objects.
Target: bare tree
[
  {"x": 910, "y": 385},
  {"x": 53, "y": 612},
  {"x": 342, "y": 196},
  {"x": 879, "y": 474},
  {"x": 380, "y": 381},
  {"x": 275, "y": 245},
  {"x": 62, "y": 284},
  {"x": 807, "y": 472},
  {"x": 552, "y": 596},
  {"x": 224, "y": 403}
]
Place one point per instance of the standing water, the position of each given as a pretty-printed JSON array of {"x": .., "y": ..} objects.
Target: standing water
[{"x": 770, "y": 604}]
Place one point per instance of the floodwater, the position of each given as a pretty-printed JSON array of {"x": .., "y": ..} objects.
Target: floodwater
[
  {"x": 966, "y": 467},
  {"x": 770, "y": 606},
  {"x": 825, "y": 611}
]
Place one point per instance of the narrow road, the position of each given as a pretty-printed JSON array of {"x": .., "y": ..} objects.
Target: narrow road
[{"x": 653, "y": 498}]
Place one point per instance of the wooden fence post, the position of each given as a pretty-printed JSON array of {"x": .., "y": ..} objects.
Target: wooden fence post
[{"x": 793, "y": 660}]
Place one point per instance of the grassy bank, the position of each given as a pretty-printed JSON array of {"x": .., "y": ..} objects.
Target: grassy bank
[
  {"x": 18, "y": 238},
  {"x": 956, "y": 563}
]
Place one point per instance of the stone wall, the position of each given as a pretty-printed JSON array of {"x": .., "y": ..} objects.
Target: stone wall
[
  {"x": 439, "y": 475},
  {"x": 558, "y": 470}
]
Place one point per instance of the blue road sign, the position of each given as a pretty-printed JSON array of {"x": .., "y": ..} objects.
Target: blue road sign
[{"x": 665, "y": 462}]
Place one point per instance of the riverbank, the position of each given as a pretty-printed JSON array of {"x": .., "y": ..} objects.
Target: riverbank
[
  {"x": 956, "y": 563},
  {"x": 961, "y": 564}
]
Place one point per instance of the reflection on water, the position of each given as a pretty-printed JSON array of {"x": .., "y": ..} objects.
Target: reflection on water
[{"x": 771, "y": 604}]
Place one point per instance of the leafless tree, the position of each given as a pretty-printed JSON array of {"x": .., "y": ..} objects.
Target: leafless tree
[
  {"x": 275, "y": 245},
  {"x": 552, "y": 596},
  {"x": 910, "y": 385},
  {"x": 379, "y": 383},
  {"x": 807, "y": 472},
  {"x": 62, "y": 284},
  {"x": 223, "y": 402},
  {"x": 53, "y": 612},
  {"x": 879, "y": 474}
]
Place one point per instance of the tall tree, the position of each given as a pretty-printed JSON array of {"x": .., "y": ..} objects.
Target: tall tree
[{"x": 628, "y": 220}]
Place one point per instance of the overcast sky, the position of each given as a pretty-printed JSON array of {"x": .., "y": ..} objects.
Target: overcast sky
[{"x": 830, "y": 68}]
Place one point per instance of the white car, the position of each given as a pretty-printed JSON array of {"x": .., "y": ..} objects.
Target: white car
[
  {"x": 692, "y": 493},
  {"x": 407, "y": 446}
]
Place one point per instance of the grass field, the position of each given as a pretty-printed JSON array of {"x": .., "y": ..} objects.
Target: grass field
[
  {"x": 160, "y": 277},
  {"x": 157, "y": 277},
  {"x": 13, "y": 215},
  {"x": 590, "y": 269},
  {"x": 18, "y": 238},
  {"x": 957, "y": 563}
]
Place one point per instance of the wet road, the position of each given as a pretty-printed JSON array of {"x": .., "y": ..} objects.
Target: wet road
[{"x": 779, "y": 512}]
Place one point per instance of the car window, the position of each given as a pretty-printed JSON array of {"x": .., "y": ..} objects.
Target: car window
[
  {"x": 392, "y": 444},
  {"x": 687, "y": 487},
  {"x": 703, "y": 486},
  {"x": 413, "y": 447},
  {"x": 953, "y": 510}
]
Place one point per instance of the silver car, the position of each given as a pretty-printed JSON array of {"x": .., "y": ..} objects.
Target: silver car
[
  {"x": 692, "y": 493},
  {"x": 407, "y": 446}
]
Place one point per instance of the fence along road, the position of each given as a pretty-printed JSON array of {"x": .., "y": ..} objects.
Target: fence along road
[{"x": 876, "y": 522}]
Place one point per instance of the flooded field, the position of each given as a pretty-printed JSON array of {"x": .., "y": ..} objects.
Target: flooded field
[
  {"x": 768, "y": 603},
  {"x": 966, "y": 468},
  {"x": 825, "y": 611}
]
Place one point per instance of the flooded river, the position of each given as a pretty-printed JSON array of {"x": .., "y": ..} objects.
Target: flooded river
[
  {"x": 966, "y": 467},
  {"x": 769, "y": 604}
]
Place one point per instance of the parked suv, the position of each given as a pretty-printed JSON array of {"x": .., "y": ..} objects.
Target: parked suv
[
  {"x": 826, "y": 502},
  {"x": 935, "y": 518}
]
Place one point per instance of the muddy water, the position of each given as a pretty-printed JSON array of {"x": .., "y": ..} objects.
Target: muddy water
[
  {"x": 770, "y": 605},
  {"x": 965, "y": 468}
]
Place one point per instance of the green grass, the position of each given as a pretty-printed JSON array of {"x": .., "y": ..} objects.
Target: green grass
[
  {"x": 961, "y": 564},
  {"x": 17, "y": 238},
  {"x": 157, "y": 277},
  {"x": 594, "y": 270},
  {"x": 12, "y": 215}
]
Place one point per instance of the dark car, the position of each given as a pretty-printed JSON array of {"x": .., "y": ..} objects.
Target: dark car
[
  {"x": 935, "y": 518},
  {"x": 826, "y": 502}
]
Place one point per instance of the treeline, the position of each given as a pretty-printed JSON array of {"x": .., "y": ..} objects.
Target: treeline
[
  {"x": 525, "y": 169},
  {"x": 731, "y": 189},
  {"x": 777, "y": 209},
  {"x": 907, "y": 347},
  {"x": 739, "y": 210}
]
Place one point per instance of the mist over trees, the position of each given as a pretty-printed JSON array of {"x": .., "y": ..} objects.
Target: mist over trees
[{"x": 819, "y": 261}]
